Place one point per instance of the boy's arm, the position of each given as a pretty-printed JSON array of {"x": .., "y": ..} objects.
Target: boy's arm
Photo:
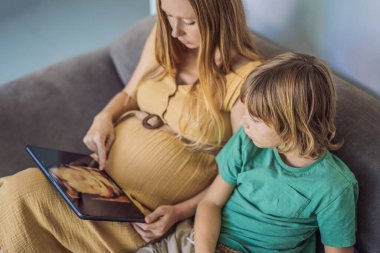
[
  {"x": 338, "y": 250},
  {"x": 208, "y": 215}
]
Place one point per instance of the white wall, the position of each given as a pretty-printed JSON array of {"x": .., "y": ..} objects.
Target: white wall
[
  {"x": 37, "y": 33},
  {"x": 346, "y": 34},
  {"x": 9, "y": 8},
  {"x": 152, "y": 5}
]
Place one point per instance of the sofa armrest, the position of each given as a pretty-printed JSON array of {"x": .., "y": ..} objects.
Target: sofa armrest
[{"x": 54, "y": 107}]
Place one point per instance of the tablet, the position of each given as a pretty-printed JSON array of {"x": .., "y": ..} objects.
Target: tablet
[{"x": 92, "y": 194}]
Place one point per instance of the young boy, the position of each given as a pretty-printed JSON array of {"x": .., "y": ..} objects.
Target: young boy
[{"x": 278, "y": 183}]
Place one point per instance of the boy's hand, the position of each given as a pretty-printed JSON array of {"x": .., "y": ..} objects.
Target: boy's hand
[
  {"x": 157, "y": 223},
  {"x": 339, "y": 250}
]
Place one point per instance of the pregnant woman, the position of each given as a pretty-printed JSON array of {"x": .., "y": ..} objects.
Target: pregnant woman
[{"x": 157, "y": 138}]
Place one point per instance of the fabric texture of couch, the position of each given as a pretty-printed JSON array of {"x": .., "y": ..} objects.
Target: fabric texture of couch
[{"x": 54, "y": 107}]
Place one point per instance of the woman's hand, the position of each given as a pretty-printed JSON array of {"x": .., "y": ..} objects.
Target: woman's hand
[
  {"x": 100, "y": 136},
  {"x": 157, "y": 223}
]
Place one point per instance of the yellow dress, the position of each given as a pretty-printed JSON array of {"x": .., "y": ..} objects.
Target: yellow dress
[{"x": 153, "y": 166}]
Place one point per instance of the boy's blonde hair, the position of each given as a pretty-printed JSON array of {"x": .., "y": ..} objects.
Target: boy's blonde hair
[{"x": 294, "y": 94}]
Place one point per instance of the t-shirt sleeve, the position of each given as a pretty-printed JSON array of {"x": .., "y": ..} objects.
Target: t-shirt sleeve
[
  {"x": 337, "y": 221},
  {"x": 229, "y": 159},
  {"x": 234, "y": 85},
  {"x": 232, "y": 93}
]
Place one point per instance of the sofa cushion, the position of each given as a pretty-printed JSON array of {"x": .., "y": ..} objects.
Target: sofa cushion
[
  {"x": 54, "y": 107},
  {"x": 126, "y": 50},
  {"x": 358, "y": 123}
]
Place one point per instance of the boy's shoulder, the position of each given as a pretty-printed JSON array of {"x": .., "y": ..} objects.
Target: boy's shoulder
[
  {"x": 337, "y": 169},
  {"x": 335, "y": 178}
]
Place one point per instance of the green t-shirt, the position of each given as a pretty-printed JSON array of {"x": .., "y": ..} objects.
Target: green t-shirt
[{"x": 278, "y": 208}]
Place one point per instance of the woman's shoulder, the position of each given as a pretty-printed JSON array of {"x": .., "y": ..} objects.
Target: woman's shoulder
[
  {"x": 235, "y": 79},
  {"x": 243, "y": 66},
  {"x": 240, "y": 70},
  {"x": 239, "y": 61}
]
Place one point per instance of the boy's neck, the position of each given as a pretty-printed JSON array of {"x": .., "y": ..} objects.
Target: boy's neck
[{"x": 294, "y": 160}]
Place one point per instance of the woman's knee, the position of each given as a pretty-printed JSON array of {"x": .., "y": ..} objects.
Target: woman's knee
[{"x": 28, "y": 181}]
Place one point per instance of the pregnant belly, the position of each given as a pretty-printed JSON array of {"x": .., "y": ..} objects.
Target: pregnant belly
[{"x": 155, "y": 168}]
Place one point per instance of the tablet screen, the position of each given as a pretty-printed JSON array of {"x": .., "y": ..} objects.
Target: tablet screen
[{"x": 91, "y": 193}]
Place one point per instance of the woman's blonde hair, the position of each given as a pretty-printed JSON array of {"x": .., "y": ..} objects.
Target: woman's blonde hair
[
  {"x": 294, "y": 94},
  {"x": 222, "y": 27}
]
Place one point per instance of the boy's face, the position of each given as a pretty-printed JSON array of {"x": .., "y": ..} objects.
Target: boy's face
[{"x": 262, "y": 135}]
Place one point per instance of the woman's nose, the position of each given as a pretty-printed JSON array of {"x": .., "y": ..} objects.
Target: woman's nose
[{"x": 176, "y": 31}]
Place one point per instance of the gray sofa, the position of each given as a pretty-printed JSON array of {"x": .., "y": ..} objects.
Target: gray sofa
[{"x": 55, "y": 106}]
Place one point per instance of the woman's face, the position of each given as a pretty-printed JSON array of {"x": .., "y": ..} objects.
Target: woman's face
[{"x": 183, "y": 22}]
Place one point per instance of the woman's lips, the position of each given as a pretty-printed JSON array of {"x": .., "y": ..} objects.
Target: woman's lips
[{"x": 184, "y": 42}]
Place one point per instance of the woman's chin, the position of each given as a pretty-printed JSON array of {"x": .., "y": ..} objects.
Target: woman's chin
[{"x": 190, "y": 46}]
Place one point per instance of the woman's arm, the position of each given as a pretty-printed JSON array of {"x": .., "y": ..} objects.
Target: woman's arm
[
  {"x": 164, "y": 217},
  {"x": 338, "y": 250},
  {"x": 125, "y": 100},
  {"x": 208, "y": 216},
  {"x": 100, "y": 135}
]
